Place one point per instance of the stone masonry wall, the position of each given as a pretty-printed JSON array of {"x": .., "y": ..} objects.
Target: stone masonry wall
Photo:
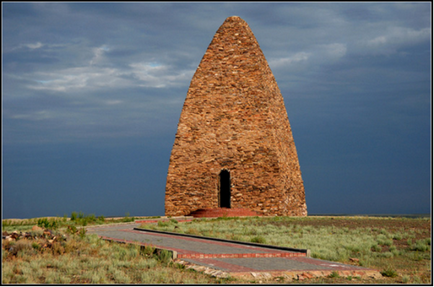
[{"x": 234, "y": 118}]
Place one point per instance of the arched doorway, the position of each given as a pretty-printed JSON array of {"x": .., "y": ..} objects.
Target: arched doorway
[{"x": 225, "y": 189}]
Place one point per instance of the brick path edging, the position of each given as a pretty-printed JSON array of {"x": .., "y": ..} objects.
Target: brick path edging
[{"x": 305, "y": 251}]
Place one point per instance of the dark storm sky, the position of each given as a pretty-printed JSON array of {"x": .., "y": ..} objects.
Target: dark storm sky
[{"x": 92, "y": 93}]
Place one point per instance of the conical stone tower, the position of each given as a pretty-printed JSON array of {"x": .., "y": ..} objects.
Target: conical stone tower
[{"x": 234, "y": 146}]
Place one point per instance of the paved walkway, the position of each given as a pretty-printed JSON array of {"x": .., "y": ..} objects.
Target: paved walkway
[{"x": 225, "y": 257}]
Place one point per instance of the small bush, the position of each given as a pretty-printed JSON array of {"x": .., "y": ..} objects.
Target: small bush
[
  {"x": 43, "y": 222},
  {"x": 397, "y": 236},
  {"x": 163, "y": 223},
  {"x": 334, "y": 274},
  {"x": 57, "y": 248},
  {"x": 164, "y": 256},
  {"x": 71, "y": 229},
  {"x": 82, "y": 233},
  {"x": 388, "y": 242},
  {"x": 376, "y": 248},
  {"x": 54, "y": 225},
  {"x": 405, "y": 279},
  {"x": 19, "y": 246},
  {"x": 36, "y": 245},
  {"x": 147, "y": 250},
  {"x": 36, "y": 233},
  {"x": 386, "y": 254},
  {"x": 396, "y": 252},
  {"x": 73, "y": 216},
  {"x": 389, "y": 273},
  {"x": 258, "y": 239},
  {"x": 416, "y": 279},
  {"x": 419, "y": 246},
  {"x": 127, "y": 218}
]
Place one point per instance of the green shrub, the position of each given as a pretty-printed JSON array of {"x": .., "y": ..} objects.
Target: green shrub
[
  {"x": 386, "y": 254},
  {"x": 147, "y": 250},
  {"x": 36, "y": 246},
  {"x": 82, "y": 233},
  {"x": 73, "y": 216},
  {"x": 164, "y": 256},
  {"x": 71, "y": 229},
  {"x": 419, "y": 246},
  {"x": 36, "y": 233},
  {"x": 389, "y": 273},
  {"x": 91, "y": 217},
  {"x": 43, "y": 222},
  {"x": 383, "y": 240},
  {"x": 127, "y": 218},
  {"x": 334, "y": 274},
  {"x": 405, "y": 279},
  {"x": 83, "y": 221},
  {"x": 258, "y": 239},
  {"x": 388, "y": 242},
  {"x": 376, "y": 248},
  {"x": 163, "y": 223},
  {"x": 397, "y": 236},
  {"x": 416, "y": 279}
]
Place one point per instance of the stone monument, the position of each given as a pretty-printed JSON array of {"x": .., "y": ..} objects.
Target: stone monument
[{"x": 234, "y": 147}]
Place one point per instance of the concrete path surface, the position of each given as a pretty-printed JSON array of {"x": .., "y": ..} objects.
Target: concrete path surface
[{"x": 224, "y": 258}]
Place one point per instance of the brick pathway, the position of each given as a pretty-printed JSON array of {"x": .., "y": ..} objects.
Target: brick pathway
[{"x": 225, "y": 257}]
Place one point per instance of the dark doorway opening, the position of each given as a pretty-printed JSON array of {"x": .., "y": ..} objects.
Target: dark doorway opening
[{"x": 225, "y": 189}]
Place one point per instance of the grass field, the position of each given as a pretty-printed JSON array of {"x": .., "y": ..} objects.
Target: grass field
[
  {"x": 398, "y": 247},
  {"x": 69, "y": 256}
]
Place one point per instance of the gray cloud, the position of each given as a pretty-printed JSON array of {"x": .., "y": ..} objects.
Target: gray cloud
[{"x": 355, "y": 76}]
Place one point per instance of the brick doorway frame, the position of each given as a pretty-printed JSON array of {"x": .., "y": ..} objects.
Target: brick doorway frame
[{"x": 225, "y": 189}]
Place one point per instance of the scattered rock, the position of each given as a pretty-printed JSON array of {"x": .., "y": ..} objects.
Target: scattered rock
[
  {"x": 304, "y": 275},
  {"x": 36, "y": 228},
  {"x": 23, "y": 238}
]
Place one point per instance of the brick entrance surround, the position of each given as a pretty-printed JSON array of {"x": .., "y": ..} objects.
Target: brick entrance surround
[{"x": 221, "y": 212}]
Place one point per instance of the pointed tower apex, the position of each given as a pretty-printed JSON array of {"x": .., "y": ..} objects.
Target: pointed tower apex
[{"x": 234, "y": 18}]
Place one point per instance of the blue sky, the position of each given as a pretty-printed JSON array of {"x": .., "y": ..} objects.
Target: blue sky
[{"x": 92, "y": 94}]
